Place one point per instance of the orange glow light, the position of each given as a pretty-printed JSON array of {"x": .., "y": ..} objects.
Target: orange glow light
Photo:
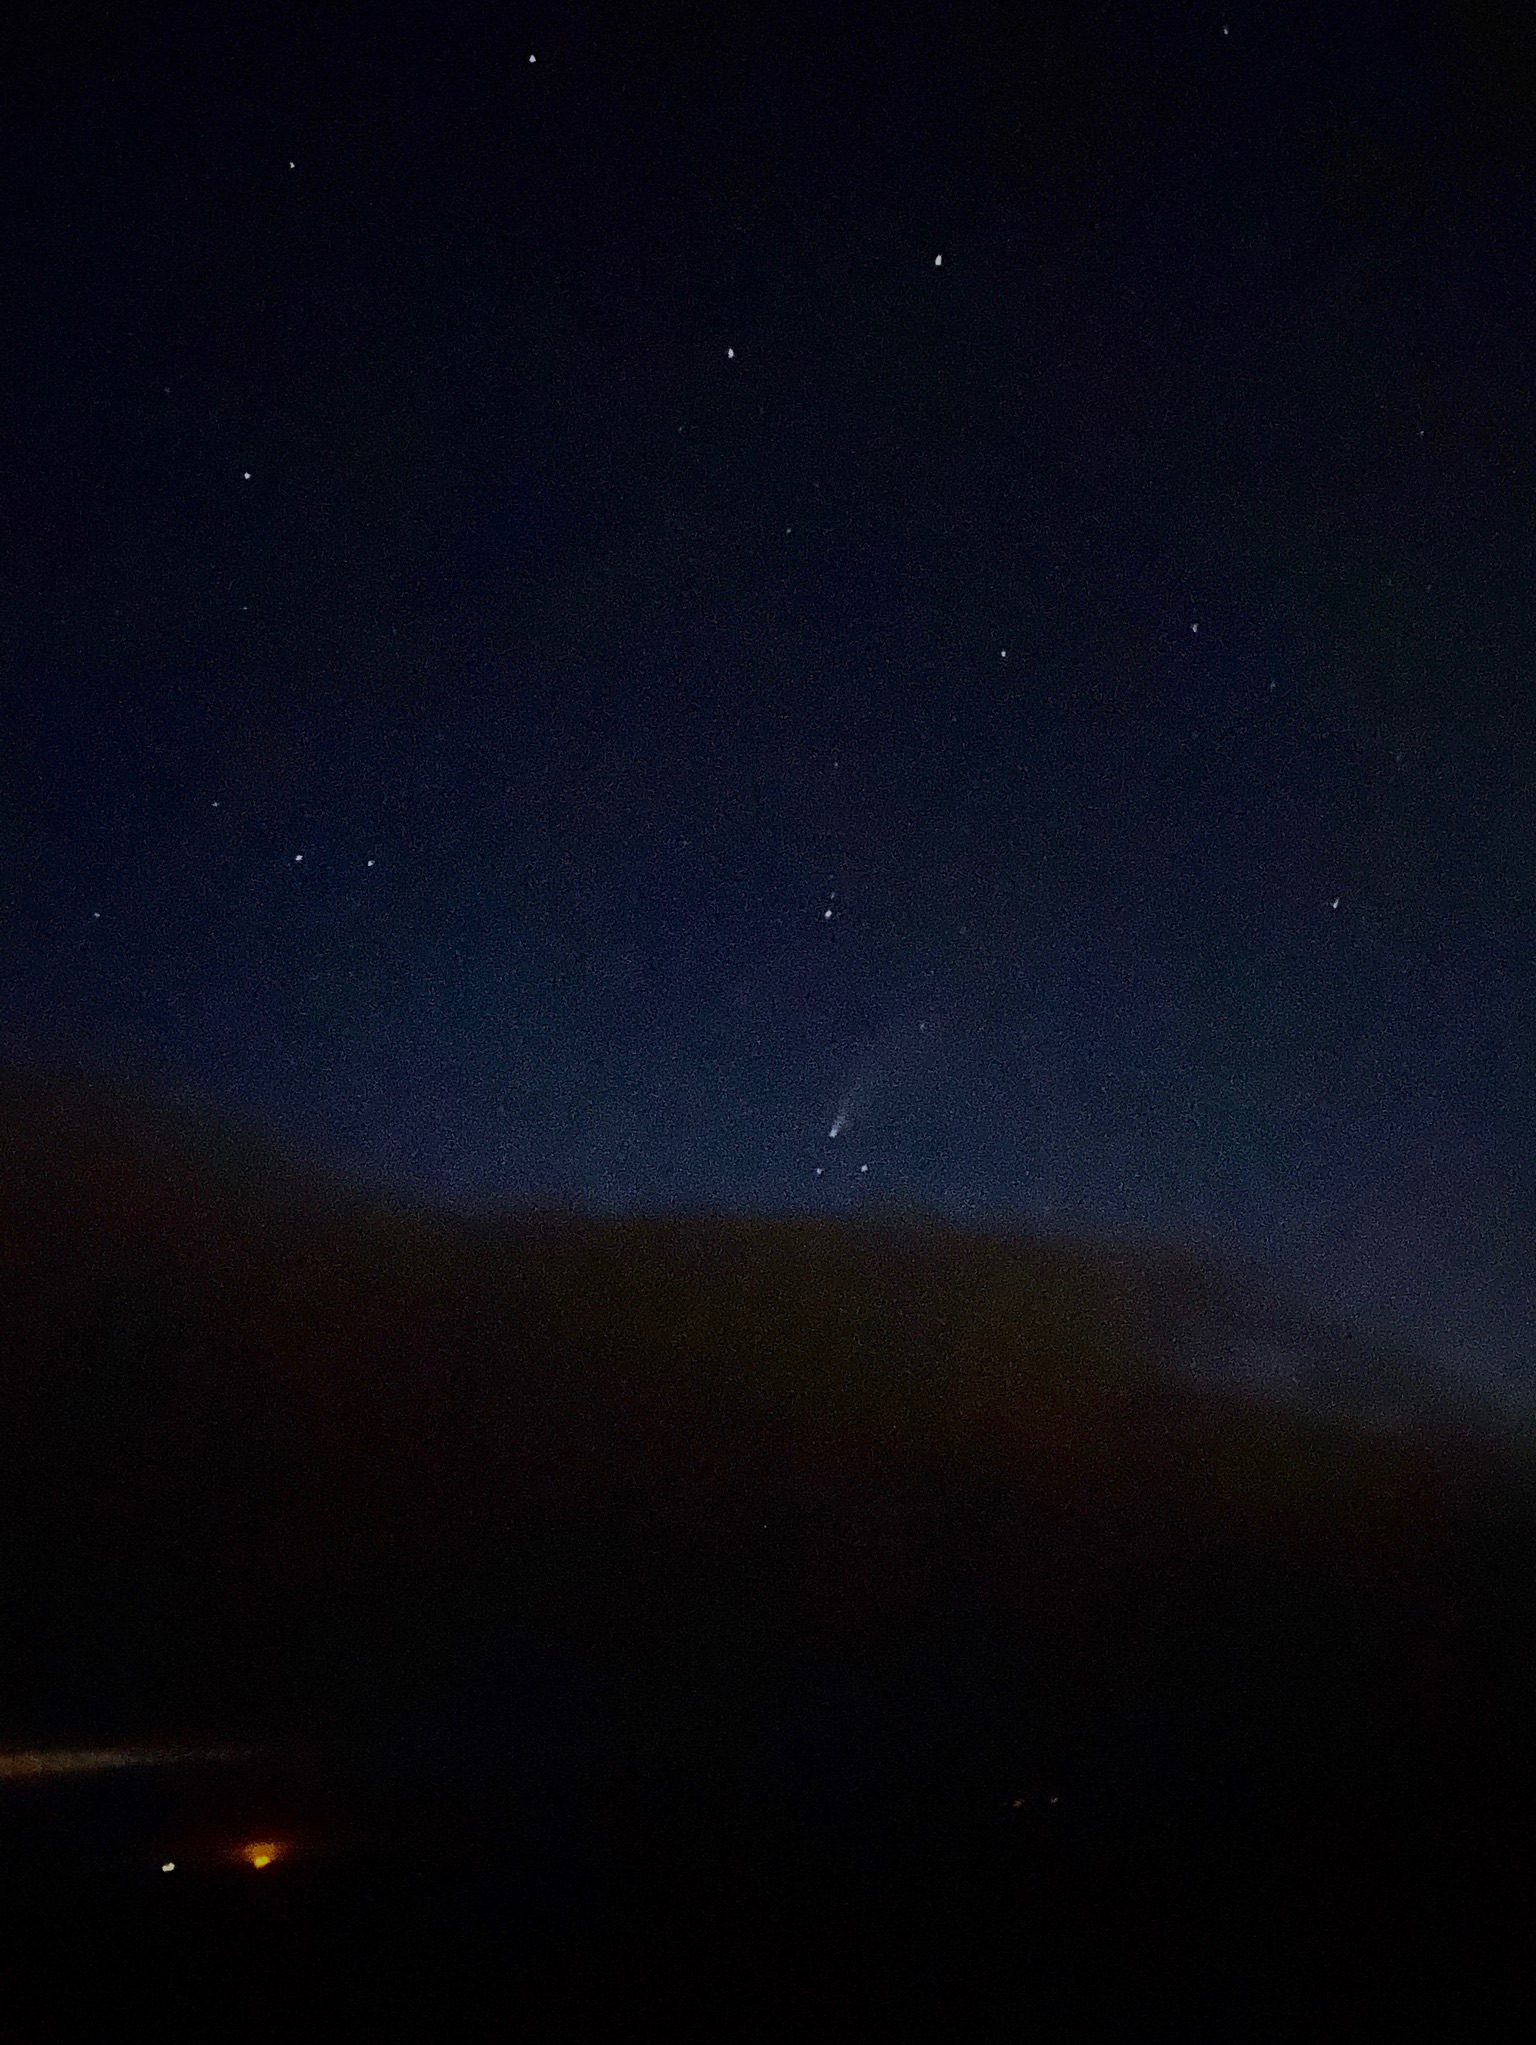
[{"x": 261, "y": 1852}]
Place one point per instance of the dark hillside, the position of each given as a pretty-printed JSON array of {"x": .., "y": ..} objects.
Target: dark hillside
[{"x": 734, "y": 1564}]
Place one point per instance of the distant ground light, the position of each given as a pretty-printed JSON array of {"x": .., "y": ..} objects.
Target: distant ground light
[{"x": 33, "y": 1764}]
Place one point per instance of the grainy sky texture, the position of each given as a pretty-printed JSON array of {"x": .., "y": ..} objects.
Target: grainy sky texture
[{"x": 590, "y": 592}]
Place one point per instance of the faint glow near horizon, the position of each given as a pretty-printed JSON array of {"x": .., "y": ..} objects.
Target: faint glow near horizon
[{"x": 34, "y": 1764}]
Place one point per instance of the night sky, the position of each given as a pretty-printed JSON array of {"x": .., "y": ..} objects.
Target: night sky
[{"x": 591, "y": 593}]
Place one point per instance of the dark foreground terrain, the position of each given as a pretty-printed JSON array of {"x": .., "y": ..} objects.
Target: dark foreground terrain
[{"x": 597, "y": 1629}]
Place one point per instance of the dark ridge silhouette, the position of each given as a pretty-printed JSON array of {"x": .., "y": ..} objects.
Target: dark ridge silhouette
[{"x": 839, "y": 1616}]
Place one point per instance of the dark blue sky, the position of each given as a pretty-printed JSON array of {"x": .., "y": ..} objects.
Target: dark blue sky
[{"x": 496, "y": 550}]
